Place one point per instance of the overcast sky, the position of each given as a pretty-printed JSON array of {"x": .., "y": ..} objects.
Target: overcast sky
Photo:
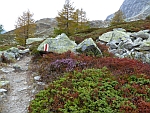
[{"x": 95, "y": 9}]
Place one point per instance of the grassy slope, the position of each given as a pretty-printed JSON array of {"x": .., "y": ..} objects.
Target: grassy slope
[{"x": 94, "y": 33}]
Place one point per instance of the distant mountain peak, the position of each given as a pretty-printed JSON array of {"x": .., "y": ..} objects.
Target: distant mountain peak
[{"x": 134, "y": 9}]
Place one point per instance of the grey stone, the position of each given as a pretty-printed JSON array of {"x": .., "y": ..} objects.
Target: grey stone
[
  {"x": 41, "y": 83},
  {"x": 112, "y": 45},
  {"x": 13, "y": 50},
  {"x": 4, "y": 83},
  {"x": 7, "y": 70},
  {"x": 3, "y": 90},
  {"x": 147, "y": 58},
  {"x": 140, "y": 34},
  {"x": 24, "y": 88},
  {"x": 37, "y": 78},
  {"x": 113, "y": 51},
  {"x": 128, "y": 44},
  {"x": 17, "y": 67},
  {"x": 10, "y": 56},
  {"x": 59, "y": 44},
  {"x": 145, "y": 46},
  {"x": 113, "y": 35},
  {"x": 88, "y": 45},
  {"x": 137, "y": 42},
  {"x": 32, "y": 40},
  {"x": 119, "y": 29},
  {"x": 99, "y": 24},
  {"x": 139, "y": 55},
  {"x": 24, "y": 51},
  {"x": 120, "y": 45},
  {"x": 118, "y": 55},
  {"x": 146, "y": 31}
]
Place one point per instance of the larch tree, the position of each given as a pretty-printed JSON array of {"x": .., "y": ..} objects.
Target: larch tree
[
  {"x": 65, "y": 18},
  {"x": 80, "y": 20},
  {"x": 118, "y": 17},
  {"x": 25, "y": 28},
  {"x": 70, "y": 20}
]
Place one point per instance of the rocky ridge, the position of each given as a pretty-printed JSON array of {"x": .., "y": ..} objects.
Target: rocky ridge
[{"x": 46, "y": 26}]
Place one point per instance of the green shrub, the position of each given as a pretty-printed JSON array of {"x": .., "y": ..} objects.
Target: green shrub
[{"x": 92, "y": 91}]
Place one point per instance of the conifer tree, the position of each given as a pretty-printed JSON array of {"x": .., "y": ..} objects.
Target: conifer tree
[
  {"x": 70, "y": 20},
  {"x": 65, "y": 18},
  {"x": 25, "y": 27},
  {"x": 80, "y": 20},
  {"x": 118, "y": 17}
]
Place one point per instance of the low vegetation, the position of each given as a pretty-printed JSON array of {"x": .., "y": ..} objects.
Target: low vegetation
[
  {"x": 89, "y": 84},
  {"x": 81, "y": 83}
]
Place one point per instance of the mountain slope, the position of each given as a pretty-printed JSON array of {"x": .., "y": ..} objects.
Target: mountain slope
[{"x": 134, "y": 9}]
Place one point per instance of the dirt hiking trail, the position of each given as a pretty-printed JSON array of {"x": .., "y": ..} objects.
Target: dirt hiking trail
[{"x": 21, "y": 88}]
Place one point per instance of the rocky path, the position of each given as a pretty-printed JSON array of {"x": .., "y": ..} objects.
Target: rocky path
[{"x": 21, "y": 90}]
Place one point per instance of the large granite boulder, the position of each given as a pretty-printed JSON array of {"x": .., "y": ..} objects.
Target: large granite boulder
[
  {"x": 145, "y": 46},
  {"x": 89, "y": 47},
  {"x": 113, "y": 35},
  {"x": 141, "y": 34},
  {"x": 59, "y": 44}
]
